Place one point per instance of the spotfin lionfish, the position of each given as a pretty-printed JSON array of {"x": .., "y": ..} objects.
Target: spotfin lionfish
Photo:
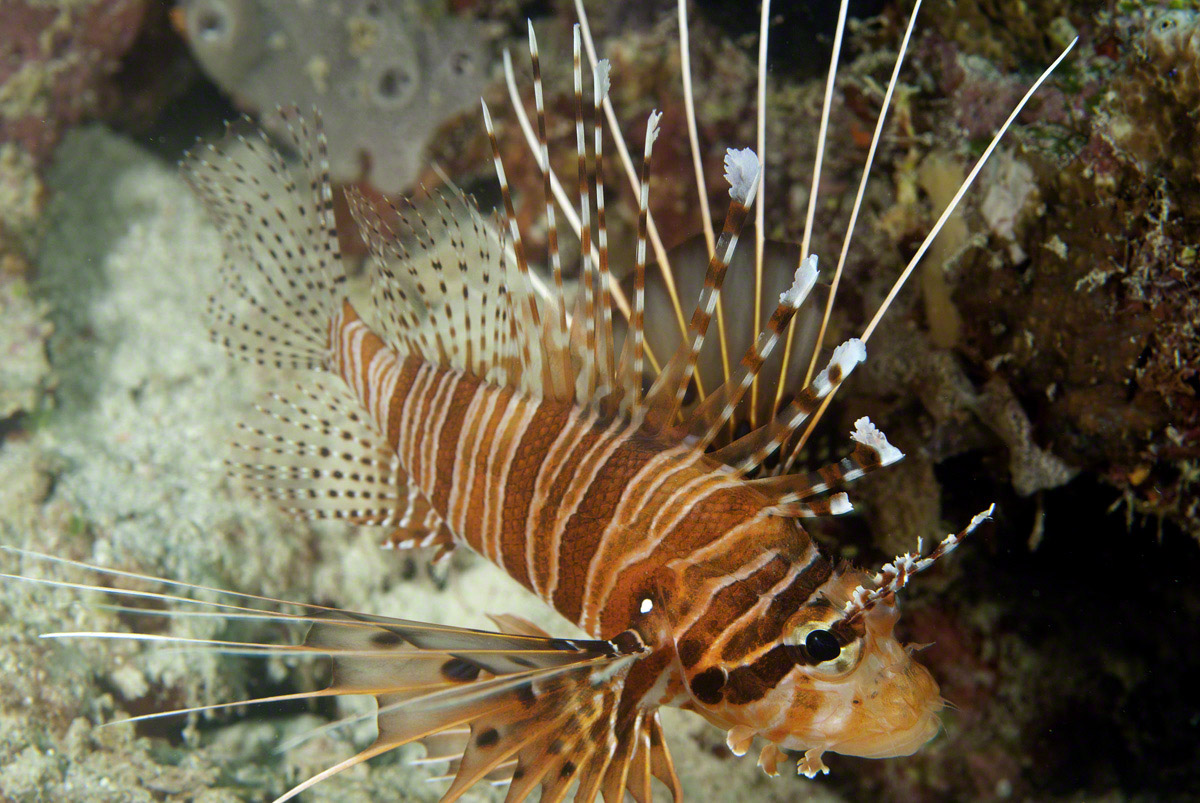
[{"x": 475, "y": 409}]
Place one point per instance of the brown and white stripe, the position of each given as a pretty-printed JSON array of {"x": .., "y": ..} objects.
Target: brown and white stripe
[{"x": 573, "y": 506}]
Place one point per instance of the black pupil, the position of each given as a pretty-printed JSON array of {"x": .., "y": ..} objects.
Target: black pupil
[{"x": 821, "y": 646}]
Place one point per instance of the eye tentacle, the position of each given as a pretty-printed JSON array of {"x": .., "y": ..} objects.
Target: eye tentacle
[{"x": 895, "y": 575}]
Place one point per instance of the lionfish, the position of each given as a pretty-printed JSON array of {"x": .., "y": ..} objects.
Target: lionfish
[{"x": 475, "y": 407}]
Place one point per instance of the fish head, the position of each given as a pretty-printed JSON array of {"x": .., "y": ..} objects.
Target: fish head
[
  {"x": 825, "y": 682},
  {"x": 858, "y": 691}
]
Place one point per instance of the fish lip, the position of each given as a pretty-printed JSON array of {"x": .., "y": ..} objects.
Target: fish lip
[{"x": 891, "y": 744}]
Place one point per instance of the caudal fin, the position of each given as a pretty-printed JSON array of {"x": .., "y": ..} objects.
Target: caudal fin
[{"x": 282, "y": 276}]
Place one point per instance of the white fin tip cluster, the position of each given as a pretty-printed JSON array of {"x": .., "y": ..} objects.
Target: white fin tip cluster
[
  {"x": 894, "y": 576},
  {"x": 976, "y": 520},
  {"x": 849, "y": 354},
  {"x": 741, "y": 171},
  {"x": 603, "y": 82},
  {"x": 839, "y": 504},
  {"x": 802, "y": 284},
  {"x": 652, "y": 127},
  {"x": 845, "y": 358},
  {"x": 872, "y": 437}
]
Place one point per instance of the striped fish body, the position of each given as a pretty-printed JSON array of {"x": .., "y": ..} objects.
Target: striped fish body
[
  {"x": 472, "y": 411},
  {"x": 622, "y": 530},
  {"x": 593, "y": 515}
]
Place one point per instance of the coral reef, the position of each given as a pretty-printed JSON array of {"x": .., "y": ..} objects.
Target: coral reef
[
  {"x": 60, "y": 64},
  {"x": 57, "y": 61},
  {"x": 22, "y": 197},
  {"x": 1096, "y": 327},
  {"x": 386, "y": 74},
  {"x": 24, "y": 368},
  {"x": 1046, "y": 358}
]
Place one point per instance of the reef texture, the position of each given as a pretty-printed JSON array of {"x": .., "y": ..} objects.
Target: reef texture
[
  {"x": 56, "y": 65},
  {"x": 24, "y": 368},
  {"x": 1044, "y": 357},
  {"x": 386, "y": 74},
  {"x": 59, "y": 66}
]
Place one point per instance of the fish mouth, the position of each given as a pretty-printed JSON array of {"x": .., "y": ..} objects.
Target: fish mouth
[{"x": 892, "y": 743}]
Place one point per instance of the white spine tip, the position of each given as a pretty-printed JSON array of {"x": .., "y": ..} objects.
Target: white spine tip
[
  {"x": 839, "y": 504},
  {"x": 872, "y": 437},
  {"x": 980, "y": 518},
  {"x": 532, "y": 38},
  {"x": 652, "y": 127},
  {"x": 844, "y": 358},
  {"x": 848, "y": 355},
  {"x": 741, "y": 171},
  {"x": 601, "y": 76},
  {"x": 802, "y": 284}
]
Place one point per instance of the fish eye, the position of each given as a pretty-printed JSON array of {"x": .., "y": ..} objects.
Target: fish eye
[
  {"x": 822, "y": 646},
  {"x": 813, "y": 645}
]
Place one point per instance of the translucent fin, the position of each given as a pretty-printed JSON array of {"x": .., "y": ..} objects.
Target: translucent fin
[
  {"x": 438, "y": 282},
  {"x": 666, "y": 395},
  {"x": 641, "y": 753},
  {"x": 747, "y": 453},
  {"x": 712, "y": 414},
  {"x": 315, "y": 455},
  {"x": 533, "y": 705},
  {"x": 283, "y": 274}
]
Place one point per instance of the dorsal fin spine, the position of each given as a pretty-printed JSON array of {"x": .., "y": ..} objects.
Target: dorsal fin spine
[
  {"x": 543, "y": 144},
  {"x": 638, "y": 322},
  {"x": 605, "y": 359},
  {"x": 748, "y": 453},
  {"x": 586, "y": 387},
  {"x": 524, "y": 302},
  {"x": 742, "y": 172},
  {"x": 725, "y": 399}
]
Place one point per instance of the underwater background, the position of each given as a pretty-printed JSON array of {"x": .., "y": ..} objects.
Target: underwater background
[{"x": 1046, "y": 357}]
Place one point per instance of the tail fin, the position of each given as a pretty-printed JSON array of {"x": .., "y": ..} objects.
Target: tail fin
[{"x": 283, "y": 272}]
